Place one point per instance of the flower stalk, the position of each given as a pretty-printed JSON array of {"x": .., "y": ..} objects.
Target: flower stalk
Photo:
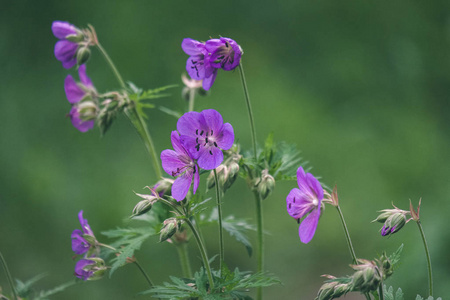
[
  {"x": 427, "y": 252},
  {"x": 219, "y": 210},
  {"x": 8, "y": 275},
  {"x": 150, "y": 283},
  {"x": 184, "y": 260},
  {"x": 249, "y": 108},
  {"x": 347, "y": 235},
  {"x": 260, "y": 233}
]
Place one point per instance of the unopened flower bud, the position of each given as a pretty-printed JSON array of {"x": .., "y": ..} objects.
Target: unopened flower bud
[
  {"x": 367, "y": 276},
  {"x": 332, "y": 290},
  {"x": 266, "y": 185},
  {"x": 87, "y": 110},
  {"x": 233, "y": 171},
  {"x": 393, "y": 224},
  {"x": 163, "y": 186},
  {"x": 170, "y": 226},
  {"x": 83, "y": 55},
  {"x": 92, "y": 268},
  {"x": 141, "y": 208}
]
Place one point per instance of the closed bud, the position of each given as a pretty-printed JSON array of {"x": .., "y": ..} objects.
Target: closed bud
[
  {"x": 233, "y": 171},
  {"x": 367, "y": 276},
  {"x": 266, "y": 184},
  {"x": 98, "y": 269},
  {"x": 170, "y": 226},
  {"x": 141, "y": 208},
  {"x": 83, "y": 55},
  {"x": 326, "y": 291},
  {"x": 87, "y": 110},
  {"x": 163, "y": 186},
  {"x": 76, "y": 38},
  {"x": 393, "y": 224}
]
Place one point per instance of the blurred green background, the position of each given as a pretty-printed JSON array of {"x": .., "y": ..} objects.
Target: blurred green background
[{"x": 362, "y": 88}]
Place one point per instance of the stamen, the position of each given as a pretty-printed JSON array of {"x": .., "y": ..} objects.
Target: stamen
[
  {"x": 196, "y": 140},
  {"x": 201, "y": 133},
  {"x": 215, "y": 144},
  {"x": 198, "y": 147},
  {"x": 294, "y": 200},
  {"x": 206, "y": 140},
  {"x": 290, "y": 205},
  {"x": 298, "y": 221},
  {"x": 211, "y": 132},
  {"x": 210, "y": 152},
  {"x": 196, "y": 131},
  {"x": 226, "y": 44}
]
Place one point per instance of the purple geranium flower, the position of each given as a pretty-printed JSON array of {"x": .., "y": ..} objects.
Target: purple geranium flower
[
  {"x": 205, "y": 136},
  {"x": 79, "y": 244},
  {"x": 80, "y": 94},
  {"x": 82, "y": 269},
  {"x": 198, "y": 65},
  {"x": 225, "y": 53},
  {"x": 179, "y": 163},
  {"x": 65, "y": 50},
  {"x": 306, "y": 199}
]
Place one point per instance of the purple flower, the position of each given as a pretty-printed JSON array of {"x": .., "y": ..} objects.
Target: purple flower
[
  {"x": 65, "y": 49},
  {"x": 79, "y": 243},
  {"x": 90, "y": 269},
  {"x": 179, "y": 163},
  {"x": 84, "y": 110},
  {"x": 205, "y": 136},
  {"x": 198, "y": 65},
  {"x": 82, "y": 269},
  {"x": 225, "y": 53},
  {"x": 306, "y": 199}
]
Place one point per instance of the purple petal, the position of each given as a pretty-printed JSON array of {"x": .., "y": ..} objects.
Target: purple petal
[
  {"x": 79, "y": 244},
  {"x": 189, "y": 123},
  {"x": 69, "y": 63},
  {"x": 195, "y": 67},
  {"x": 225, "y": 139},
  {"x": 212, "y": 45},
  {"x": 79, "y": 124},
  {"x": 62, "y": 29},
  {"x": 172, "y": 162},
  {"x": 213, "y": 120},
  {"x": 192, "y": 47},
  {"x": 196, "y": 179},
  {"x": 190, "y": 144},
  {"x": 65, "y": 50},
  {"x": 85, "y": 80},
  {"x": 210, "y": 158},
  {"x": 308, "y": 226},
  {"x": 176, "y": 143},
  {"x": 73, "y": 92},
  {"x": 298, "y": 204},
  {"x": 181, "y": 186},
  {"x": 315, "y": 186},
  {"x": 84, "y": 223},
  {"x": 208, "y": 81},
  {"x": 234, "y": 61}
]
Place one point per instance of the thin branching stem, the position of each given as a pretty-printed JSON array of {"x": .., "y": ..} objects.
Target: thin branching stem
[
  {"x": 112, "y": 65},
  {"x": 427, "y": 252},
  {"x": 380, "y": 291},
  {"x": 219, "y": 211},
  {"x": 150, "y": 283},
  {"x": 184, "y": 259},
  {"x": 8, "y": 275},
  {"x": 260, "y": 233},
  {"x": 192, "y": 93},
  {"x": 347, "y": 236},
  {"x": 249, "y": 108}
]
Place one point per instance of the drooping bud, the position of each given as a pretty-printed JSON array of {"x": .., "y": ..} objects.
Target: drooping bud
[
  {"x": 87, "y": 110},
  {"x": 266, "y": 184},
  {"x": 92, "y": 268},
  {"x": 170, "y": 226},
  {"x": 146, "y": 204},
  {"x": 83, "y": 55},
  {"x": 334, "y": 288},
  {"x": 76, "y": 38},
  {"x": 163, "y": 187},
  {"x": 393, "y": 224},
  {"x": 233, "y": 171}
]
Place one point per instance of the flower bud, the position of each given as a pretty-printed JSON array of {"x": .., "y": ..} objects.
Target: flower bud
[
  {"x": 170, "y": 226},
  {"x": 332, "y": 290},
  {"x": 76, "y": 38},
  {"x": 233, "y": 171},
  {"x": 163, "y": 186},
  {"x": 393, "y": 223},
  {"x": 87, "y": 110},
  {"x": 367, "y": 276},
  {"x": 141, "y": 208},
  {"x": 92, "y": 268},
  {"x": 83, "y": 55},
  {"x": 266, "y": 185}
]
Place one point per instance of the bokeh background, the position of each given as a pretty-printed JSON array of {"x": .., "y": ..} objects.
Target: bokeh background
[{"x": 362, "y": 88}]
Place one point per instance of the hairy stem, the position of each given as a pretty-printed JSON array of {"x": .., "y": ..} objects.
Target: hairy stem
[
  {"x": 8, "y": 275},
  {"x": 112, "y": 65},
  {"x": 427, "y": 252},
  {"x": 184, "y": 259},
  {"x": 191, "y": 99},
  {"x": 249, "y": 108},
  {"x": 380, "y": 291},
  {"x": 219, "y": 210},
  {"x": 347, "y": 235},
  {"x": 259, "y": 227},
  {"x": 150, "y": 283}
]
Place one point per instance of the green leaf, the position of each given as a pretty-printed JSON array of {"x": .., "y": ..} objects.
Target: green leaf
[
  {"x": 43, "y": 295},
  {"x": 24, "y": 288},
  {"x": 170, "y": 112},
  {"x": 237, "y": 228},
  {"x": 395, "y": 257},
  {"x": 138, "y": 96},
  {"x": 129, "y": 240}
]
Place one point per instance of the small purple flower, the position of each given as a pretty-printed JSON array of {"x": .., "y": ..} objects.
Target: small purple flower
[
  {"x": 306, "y": 199},
  {"x": 205, "y": 136},
  {"x": 198, "y": 65},
  {"x": 66, "y": 50},
  {"x": 82, "y": 269},
  {"x": 179, "y": 163},
  {"x": 84, "y": 111},
  {"x": 79, "y": 244},
  {"x": 225, "y": 53}
]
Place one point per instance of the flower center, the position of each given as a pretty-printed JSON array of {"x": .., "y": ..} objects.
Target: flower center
[
  {"x": 315, "y": 202},
  {"x": 205, "y": 138},
  {"x": 225, "y": 54}
]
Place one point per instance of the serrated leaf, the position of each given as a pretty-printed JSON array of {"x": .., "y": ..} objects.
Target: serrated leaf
[
  {"x": 389, "y": 293},
  {"x": 395, "y": 257},
  {"x": 43, "y": 295},
  {"x": 129, "y": 240},
  {"x": 170, "y": 112},
  {"x": 24, "y": 288}
]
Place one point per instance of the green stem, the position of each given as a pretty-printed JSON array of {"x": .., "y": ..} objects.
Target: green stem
[
  {"x": 427, "y": 252},
  {"x": 134, "y": 117},
  {"x": 142, "y": 129},
  {"x": 8, "y": 275},
  {"x": 144, "y": 273},
  {"x": 219, "y": 210},
  {"x": 191, "y": 99},
  {"x": 184, "y": 260},
  {"x": 347, "y": 236},
  {"x": 111, "y": 64},
  {"x": 380, "y": 291},
  {"x": 198, "y": 239},
  {"x": 249, "y": 108},
  {"x": 259, "y": 226}
]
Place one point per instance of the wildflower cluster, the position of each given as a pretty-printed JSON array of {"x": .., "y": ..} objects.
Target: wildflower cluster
[{"x": 208, "y": 57}]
